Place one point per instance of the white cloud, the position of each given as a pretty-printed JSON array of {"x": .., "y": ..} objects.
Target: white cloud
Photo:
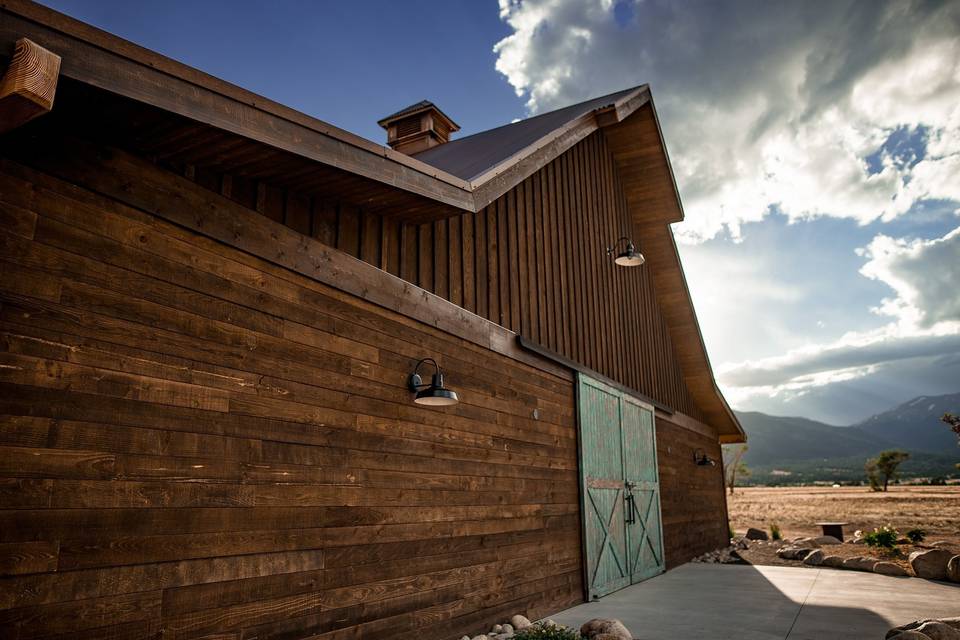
[
  {"x": 925, "y": 307},
  {"x": 925, "y": 274},
  {"x": 763, "y": 103}
]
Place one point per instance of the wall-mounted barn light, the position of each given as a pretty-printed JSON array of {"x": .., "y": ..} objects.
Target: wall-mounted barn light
[
  {"x": 629, "y": 257},
  {"x": 433, "y": 394},
  {"x": 701, "y": 459}
]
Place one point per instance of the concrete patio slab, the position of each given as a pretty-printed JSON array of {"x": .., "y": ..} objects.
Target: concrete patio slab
[{"x": 706, "y": 601}]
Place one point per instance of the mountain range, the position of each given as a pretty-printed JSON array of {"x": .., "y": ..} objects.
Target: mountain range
[{"x": 787, "y": 450}]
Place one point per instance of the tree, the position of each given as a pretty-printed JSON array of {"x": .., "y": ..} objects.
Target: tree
[
  {"x": 953, "y": 422},
  {"x": 735, "y": 465},
  {"x": 884, "y": 467}
]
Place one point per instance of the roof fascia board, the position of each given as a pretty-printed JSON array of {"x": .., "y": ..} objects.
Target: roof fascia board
[
  {"x": 666, "y": 155},
  {"x": 492, "y": 184}
]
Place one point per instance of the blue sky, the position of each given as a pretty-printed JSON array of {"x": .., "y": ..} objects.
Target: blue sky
[
  {"x": 817, "y": 149},
  {"x": 348, "y": 63}
]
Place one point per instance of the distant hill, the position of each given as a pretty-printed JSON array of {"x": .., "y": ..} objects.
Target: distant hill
[
  {"x": 916, "y": 424},
  {"x": 792, "y": 450}
]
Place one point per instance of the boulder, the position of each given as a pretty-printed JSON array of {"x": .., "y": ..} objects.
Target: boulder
[
  {"x": 916, "y": 627},
  {"x": 519, "y": 622},
  {"x": 859, "y": 563},
  {"x": 941, "y": 544},
  {"x": 794, "y": 553},
  {"x": 603, "y": 629},
  {"x": 497, "y": 628},
  {"x": 889, "y": 569},
  {"x": 507, "y": 627},
  {"x": 937, "y": 630},
  {"x": 826, "y": 540},
  {"x": 805, "y": 542},
  {"x": 832, "y": 561},
  {"x": 480, "y": 637},
  {"x": 756, "y": 534},
  {"x": 465, "y": 638},
  {"x": 953, "y": 569},
  {"x": 814, "y": 558},
  {"x": 931, "y": 564},
  {"x": 908, "y": 635}
]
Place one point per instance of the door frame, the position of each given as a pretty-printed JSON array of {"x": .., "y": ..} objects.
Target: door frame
[{"x": 636, "y": 399}]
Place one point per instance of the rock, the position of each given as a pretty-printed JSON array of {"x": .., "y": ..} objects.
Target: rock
[
  {"x": 937, "y": 630},
  {"x": 742, "y": 544},
  {"x": 939, "y": 544},
  {"x": 814, "y": 558},
  {"x": 602, "y": 629},
  {"x": 480, "y": 637},
  {"x": 793, "y": 553},
  {"x": 519, "y": 622},
  {"x": 756, "y": 534},
  {"x": 826, "y": 540},
  {"x": 908, "y": 635},
  {"x": 497, "y": 628},
  {"x": 550, "y": 624},
  {"x": 465, "y": 638},
  {"x": 832, "y": 561},
  {"x": 859, "y": 563},
  {"x": 953, "y": 569},
  {"x": 916, "y": 627},
  {"x": 931, "y": 564},
  {"x": 889, "y": 569},
  {"x": 507, "y": 628}
]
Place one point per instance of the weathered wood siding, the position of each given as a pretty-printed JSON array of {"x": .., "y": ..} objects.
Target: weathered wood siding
[
  {"x": 195, "y": 442},
  {"x": 691, "y": 497},
  {"x": 534, "y": 261}
]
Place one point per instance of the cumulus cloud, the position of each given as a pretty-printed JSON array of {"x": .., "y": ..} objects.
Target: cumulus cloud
[
  {"x": 925, "y": 274},
  {"x": 925, "y": 323},
  {"x": 764, "y": 104}
]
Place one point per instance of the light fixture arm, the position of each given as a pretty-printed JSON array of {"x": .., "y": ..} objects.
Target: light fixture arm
[
  {"x": 416, "y": 383},
  {"x": 612, "y": 249}
]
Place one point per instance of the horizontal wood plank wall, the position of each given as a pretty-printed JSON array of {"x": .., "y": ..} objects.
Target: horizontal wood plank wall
[
  {"x": 533, "y": 261},
  {"x": 691, "y": 497},
  {"x": 197, "y": 443}
]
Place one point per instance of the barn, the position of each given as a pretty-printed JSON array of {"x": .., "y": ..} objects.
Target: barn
[{"x": 262, "y": 378}]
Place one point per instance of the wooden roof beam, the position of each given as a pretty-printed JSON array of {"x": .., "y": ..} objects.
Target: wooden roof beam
[{"x": 29, "y": 84}]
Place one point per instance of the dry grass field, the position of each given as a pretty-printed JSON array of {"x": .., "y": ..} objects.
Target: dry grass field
[{"x": 796, "y": 509}]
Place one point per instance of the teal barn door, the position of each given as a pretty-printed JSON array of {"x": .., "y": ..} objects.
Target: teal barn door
[
  {"x": 620, "y": 498},
  {"x": 642, "y": 481}
]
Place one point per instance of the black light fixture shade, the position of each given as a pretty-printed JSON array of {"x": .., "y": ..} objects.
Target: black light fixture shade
[
  {"x": 702, "y": 459},
  {"x": 433, "y": 394},
  {"x": 629, "y": 257}
]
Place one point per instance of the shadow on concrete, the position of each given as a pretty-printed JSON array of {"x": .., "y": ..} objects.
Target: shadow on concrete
[{"x": 707, "y": 601}]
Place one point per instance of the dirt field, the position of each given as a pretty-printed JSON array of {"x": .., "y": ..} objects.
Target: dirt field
[{"x": 795, "y": 509}]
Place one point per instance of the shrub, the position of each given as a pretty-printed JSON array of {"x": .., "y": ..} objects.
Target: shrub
[
  {"x": 732, "y": 533},
  {"x": 539, "y": 631},
  {"x": 775, "y": 533},
  {"x": 883, "y": 538},
  {"x": 916, "y": 536}
]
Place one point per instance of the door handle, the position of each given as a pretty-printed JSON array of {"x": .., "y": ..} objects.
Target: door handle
[{"x": 631, "y": 509}]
